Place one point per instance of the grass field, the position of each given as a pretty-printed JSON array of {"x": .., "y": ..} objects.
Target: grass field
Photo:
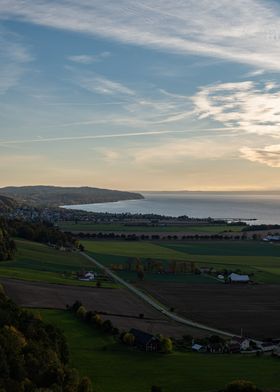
[
  {"x": 38, "y": 262},
  {"x": 115, "y": 368},
  {"x": 85, "y": 226},
  {"x": 262, "y": 259}
]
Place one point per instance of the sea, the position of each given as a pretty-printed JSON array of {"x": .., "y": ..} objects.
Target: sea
[{"x": 252, "y": 207}]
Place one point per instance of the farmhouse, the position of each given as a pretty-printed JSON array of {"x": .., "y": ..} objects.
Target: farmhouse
[
  {"x": 243, "y": 343},
  {"x": 198, "y": 348},
  {"x": 86, "y": 276},
  {"x": 236, "y": 278},
  {"x": 272, "y": 238},
  {"x": 145, "y": 341}
]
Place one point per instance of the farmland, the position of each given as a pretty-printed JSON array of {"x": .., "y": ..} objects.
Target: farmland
[
  {"x": 115, "y": 368},
  {"x": 119, "y": 305},
  {"x": 260, "y": 258},
  {"x": 118, "y": 227},
  {"x": 38, "y": 262},
  {"x": 203, "y": 298},
  {"x": 254, "y": 309}
]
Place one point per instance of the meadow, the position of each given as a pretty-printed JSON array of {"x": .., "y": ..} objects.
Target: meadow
[
  {"x": 38, "y": 262},
  {"x": 114, "y": 227},
  {"x": 116, "y": 368},
  {"x": 260, "y": 258}
]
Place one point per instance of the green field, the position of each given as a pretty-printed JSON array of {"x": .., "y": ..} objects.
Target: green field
[
  {"x": 38, "y": 262},
  {"x": 260, "y": 258},
  {"x": 115, "y": 368},
  {"x": 113, "y": 227}
]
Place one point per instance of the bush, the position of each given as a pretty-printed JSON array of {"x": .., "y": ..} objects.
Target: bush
[
  {"x": 241, "y": 386},
  {"x": 166, "y": 345},
  {"x": 81, "y": 312}
]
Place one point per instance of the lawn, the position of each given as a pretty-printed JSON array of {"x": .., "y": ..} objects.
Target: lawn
[
  {"x": 262, "y": 259},
  {"x": 88, "y": 227},
  {"x": 38, "y": 262},
  {"x": 115, "y": 368}
]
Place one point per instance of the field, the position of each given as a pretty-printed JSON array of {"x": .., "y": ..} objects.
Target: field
[
  {"x": 112, "y": 227},
  {"x": 120, "y": 306},
  {"x": 202, "y": 298},
  {"x": 38, "y": 262},
  {"x": 115, "y": 368},
  {"x": 254, "y": 309},
  {"x": 260, "y": 258}
]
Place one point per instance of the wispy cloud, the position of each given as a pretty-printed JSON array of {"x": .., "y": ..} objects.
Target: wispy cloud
[
  {"x": 88, "y": 59},
  {"x": 269, "y": 155},
  {"x": 105, "y": 136},
  {"x": 242, "y": 31},
  {"x": 248, "y": 106},
  {"x": 86, "y": 137},
  {"x": 13, "y": 59},
  {"x": 96, "y": 83}
]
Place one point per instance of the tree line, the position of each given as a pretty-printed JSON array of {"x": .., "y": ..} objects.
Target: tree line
[{"x": 34, "y": 356}]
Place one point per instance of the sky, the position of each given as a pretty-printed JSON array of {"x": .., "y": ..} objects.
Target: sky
[{"x": 140, "y": 95}]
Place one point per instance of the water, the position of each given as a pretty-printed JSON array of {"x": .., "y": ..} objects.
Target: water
[{"x": 265, "y": 207}]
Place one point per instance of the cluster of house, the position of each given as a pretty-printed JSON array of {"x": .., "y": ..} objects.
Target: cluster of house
[
  {"x": 230, "y": 278},
  {"x": 150, "y": 343},
  {"x": 239, "y": 344}
]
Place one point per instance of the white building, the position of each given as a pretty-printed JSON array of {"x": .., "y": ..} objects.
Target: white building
[{"x": 236, "y": 278}]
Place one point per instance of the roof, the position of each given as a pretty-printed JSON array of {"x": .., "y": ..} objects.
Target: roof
[
  {"x": 238, "y": 339},
  {"x": 197, "y": 347},
  {"x": 239, "y": 278},
  {"x": 141, "y": 336}
]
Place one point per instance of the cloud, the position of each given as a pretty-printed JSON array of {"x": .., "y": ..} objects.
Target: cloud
[
  {"x": 172, "y": 152},
  {"x": 96, "y": 83},
  {"x": 248, "y": 106},
  {"x": 86, "y": 137},
  {"x": 244, "y": 31},
  {"x": 13, "y": 59},
  {"x": 269, "y": 155},
  {"x": 88, "y": 59}
]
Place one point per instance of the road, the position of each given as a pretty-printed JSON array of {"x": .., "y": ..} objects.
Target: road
[{"x": 153, "y": 302}]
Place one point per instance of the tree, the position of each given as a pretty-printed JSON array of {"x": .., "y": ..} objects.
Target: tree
[
  {"x": 241, "y": 386},
  {"x": 166, "y": 345},
  {"x": 155, "y": 388},
  {"x": 85, "y": 385},
  {"x": 81, "y": 312},
  {"x": 128, "y": 338}
]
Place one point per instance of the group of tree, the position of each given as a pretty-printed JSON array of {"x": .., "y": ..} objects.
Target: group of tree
[
  {"x": 7, "y": 245},
  {"x": 34, "y": 355},
  {"x": 156, "y": 237},
  {"x": 125, "y": 337},
  {"x": 43, "y": 232},
  {"x": 234, "y": 386},
  {"x": 93, "y": 318}
]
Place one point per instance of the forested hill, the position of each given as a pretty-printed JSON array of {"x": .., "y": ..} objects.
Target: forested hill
[
  {"x": 7, "y": 245},
  {"x": 6, "y": 203},
  {"x": 53, "y": 196}
]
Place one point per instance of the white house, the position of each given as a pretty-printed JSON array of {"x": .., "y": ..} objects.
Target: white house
[
  {"x": 236, "y": 278},
  {"x": 87, "y": 276},
  {"x": 198, "y": 348},
  {"x": 244, "y": 343}
]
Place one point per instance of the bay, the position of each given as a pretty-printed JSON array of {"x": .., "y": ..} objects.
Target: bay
[{"x": 263, "y": 206}]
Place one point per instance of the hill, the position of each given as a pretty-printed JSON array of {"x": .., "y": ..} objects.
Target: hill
[
  {"x": 53, "y": 196},
  {"x": 6, "y": 203}
]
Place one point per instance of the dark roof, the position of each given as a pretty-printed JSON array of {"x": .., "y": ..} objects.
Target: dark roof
[{"x": 141, "y": 336}]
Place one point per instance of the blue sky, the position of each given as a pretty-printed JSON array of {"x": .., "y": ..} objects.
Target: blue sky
[{"x": 150, "y": 95}]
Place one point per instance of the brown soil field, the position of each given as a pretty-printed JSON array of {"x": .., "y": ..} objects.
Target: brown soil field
[
  {"x": 254, "y": 309},
  {"x": 123, "y": 307}
]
